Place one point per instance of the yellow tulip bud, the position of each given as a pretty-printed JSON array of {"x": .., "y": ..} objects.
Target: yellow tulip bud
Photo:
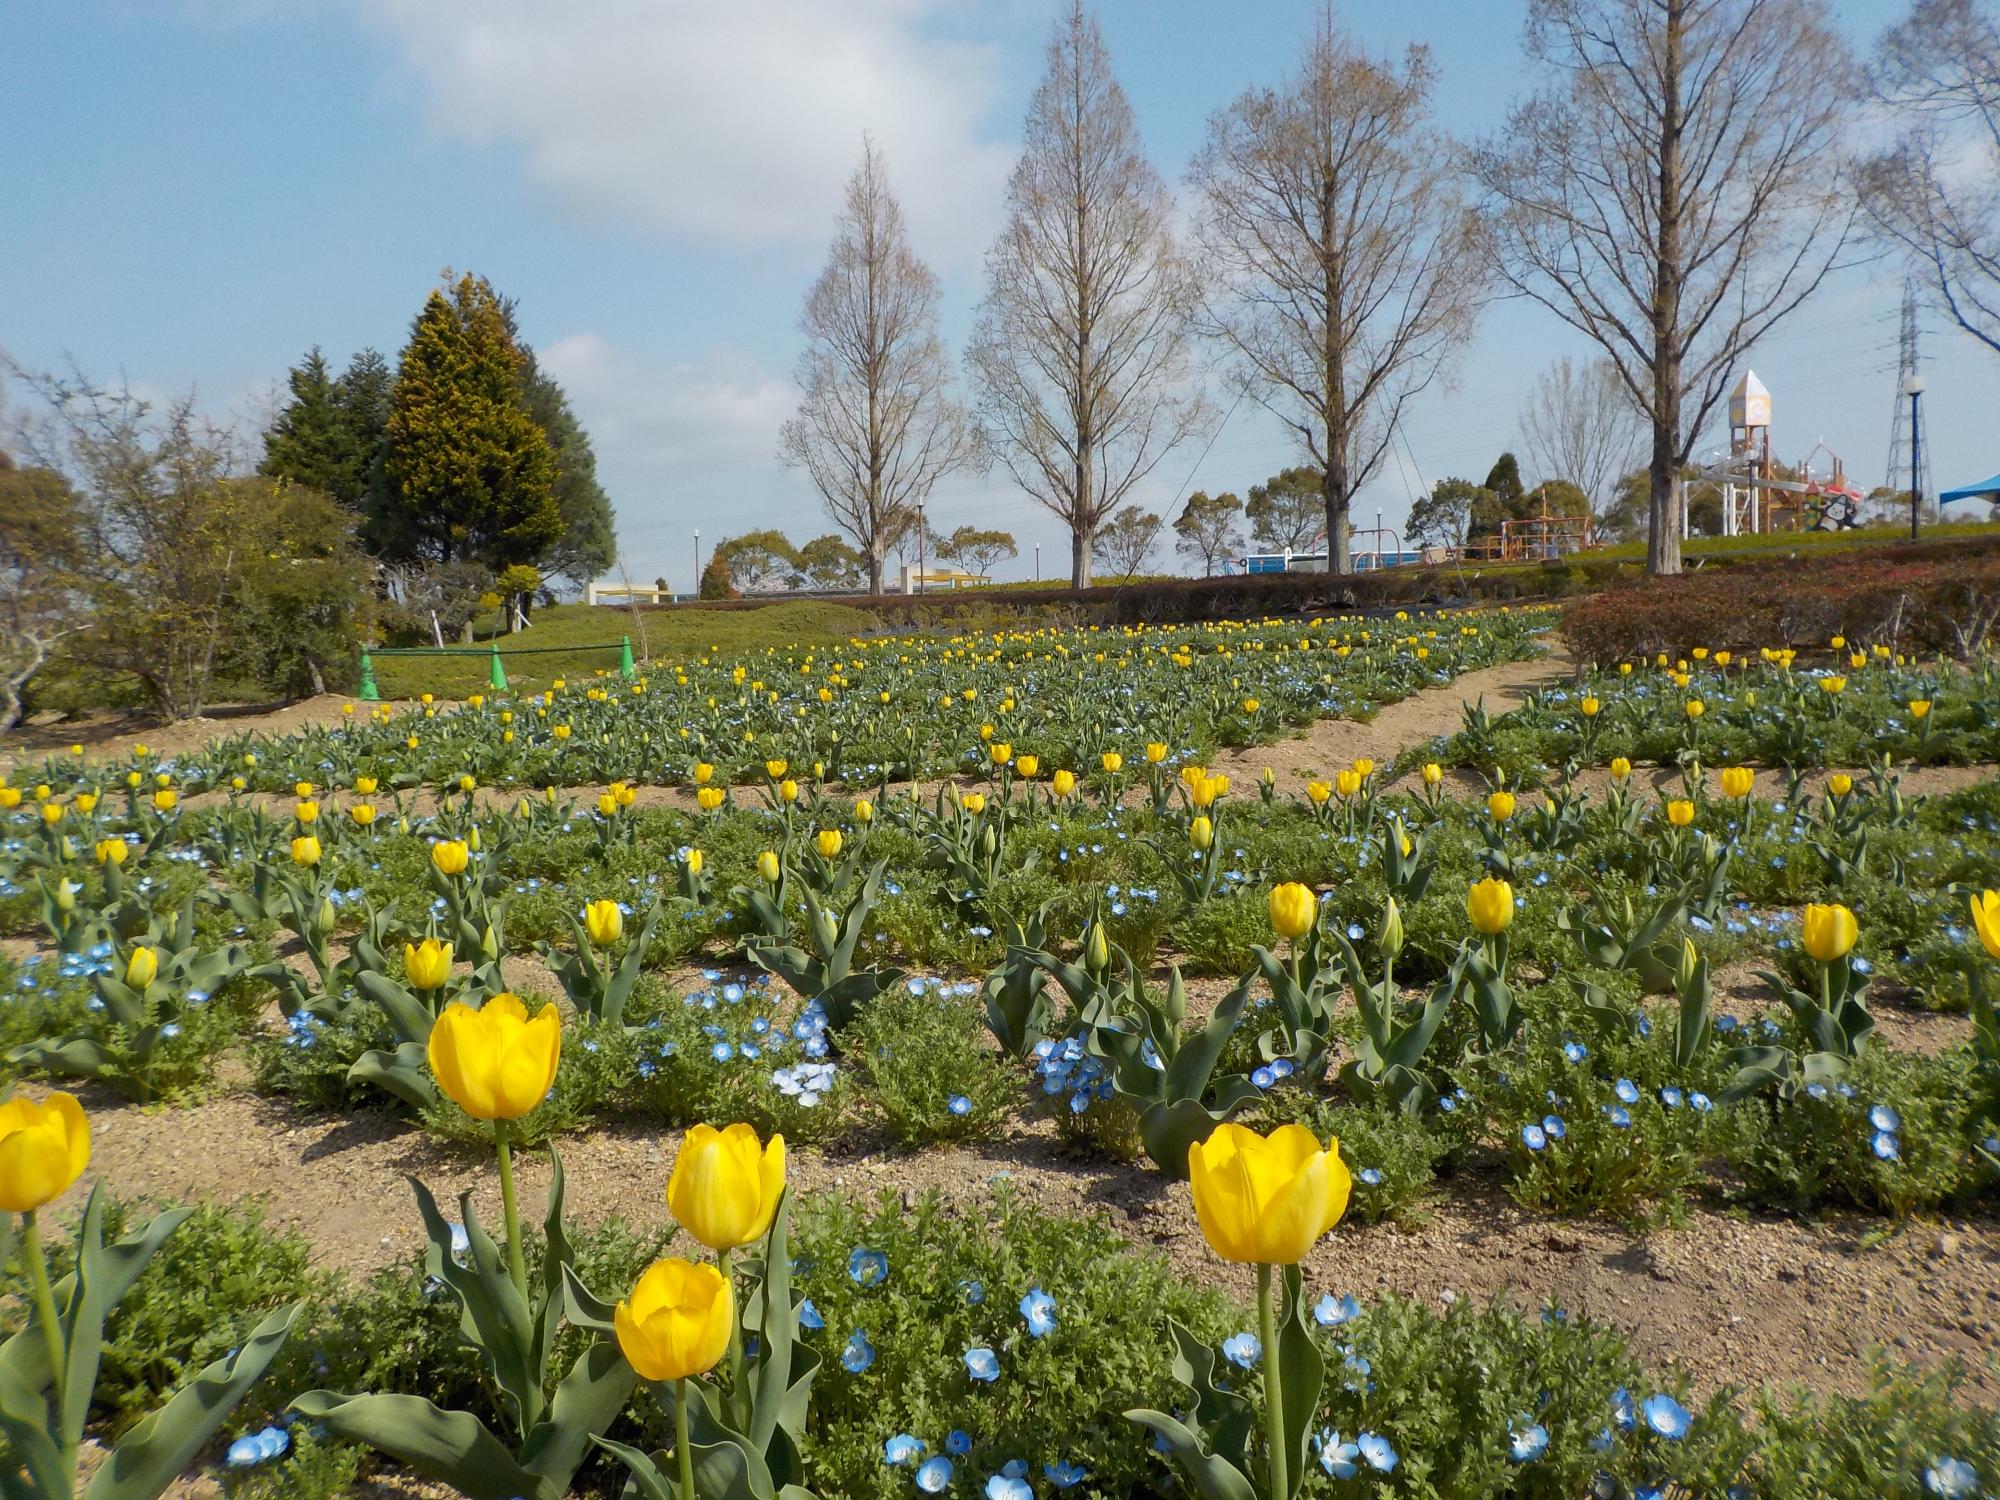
[
  {"x": 427, "y": 966},
  {"x": 1112, "y": 761},
  {"x": 703, "y": 773},
  {"x": 1156, "y": 752},
  {"x": 864, "y": 810},
  {"x": 694, "y": 861},
  {"x": 789, "y": 790},
  {"x": 450, "y": 856},
  {"x": 1293, "y": 909},
  {"x": 1028, "y": 765},
  {"x": 1590, "y": 706},
  {"x": 1840, "y": 783},
  {"x": 767, "y": 866},
  {"x": 1501, "y": 805},
  {"x": 1737, "y": 781},
  {"x": 141, "y": 967},
  {"x": 1266, "y": 1200},
  {"x": 1063, "y": 783},
  {"x": 1828, "y": 931},
  {"x": 495, "y": 1062},
  {"x": 1433, "y": 773},
  {"x": 1347, "y": 783},
  {"x": 725, "y": 1185},
  {"x": 111, "y": 851},
  {"x": 43, "y": 1150},
  {"x": 604, "y": 922},
  {"x": 1620, "y": 768},
  {"x": 1986, "y": 919},
  {"x": 1392, "y": 929},
  {"x": 607, "y": 804},
  {"x": 1201, "y": 833},
  {"x": 1096, "y": 947},
  {"x": 1000, "y": 752},
  {"x": 677, "y": 1321},
  {"x": 1489, "y": 904},
  {"x": 305, "y": 850},
  {"x": 828, "y": 842}
]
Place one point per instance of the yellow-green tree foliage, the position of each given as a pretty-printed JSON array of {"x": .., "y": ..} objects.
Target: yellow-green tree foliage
[{"x": 470, "y": 474}]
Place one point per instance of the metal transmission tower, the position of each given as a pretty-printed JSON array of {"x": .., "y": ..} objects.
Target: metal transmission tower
[{"x": 1898, "y": 477}]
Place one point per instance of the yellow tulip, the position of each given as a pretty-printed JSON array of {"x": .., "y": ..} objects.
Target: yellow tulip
[
  {"x": 141, "y": 967},
  {"x": 111, "y": 851},
  {"x": 1347, "y": 783},
  {"x": 10, "y": 798},
  {"x": 1266, "y": 1200},
  {"x": 709, "y": 798},
  {"x": 607, "y": 804},
  {"x": 1201, "y": 833},
  {"x": 789, "y": 790},
  {"x": 1833, "y": 685},
  {"x": 1828, "y": 931},
  {"x": 1433, "y": 773},
  {"x": 362, "y": 813},
  {"x": 365, "y": 785},
  {"x": 1501, "y": 805},
  {"x": 1840, "y": 783},
  {"x": 165, "y": 799},
  {"x": 1737, "y": 781},
  {"x": 1986, "y": 918},
  {"x": 864, "y": 810},
  {"x": 1204, "y": 791},
  {"x": 1294, "y": 909},
  {"x": 694, "y": 861},
  {"x": 775, "y": 769},
  {"x": 1155, "y": 752},
  {"x": 305, "y": 850},
  {"x": 427, "y": 966},
  {"x": 703, "y": 772},
  {"x": 1920, "y": 709},
  {"x": 1590, "y": 707},
  {"x": 1063, "y": 783},
  {"x": 725, "y": 1185},
  {"x": 1001, "y": 752},
  {"x": 1028, "y": 765},
  {"x": 828, "y": 842},
  {"x": 973, "y": 802},
  {"x": 306, "y": 812},
  {"x": 1112, "y": 761},
  {"x": 767, "y": 866},
  {"x": 450, "y": 856},
  {"x": 494, "y": 1061},
  {"x": 43, "y": 1149},
  {"x": 604, "y": 922},
  {"x": 86, "y": 802},
  {"x": 52, "y": 812},
  {"x": 1620, "y": 768},
  {"x": 1319, "y": 791},
  {"x": 678, "y": 1320},
  {"x": 1251, "y": 705},
  {"x": 1489, "y": 904}
]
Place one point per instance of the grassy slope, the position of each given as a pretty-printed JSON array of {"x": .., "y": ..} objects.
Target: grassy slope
[{"x": 578, "y": 640}]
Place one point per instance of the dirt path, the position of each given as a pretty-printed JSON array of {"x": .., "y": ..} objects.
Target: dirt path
[{"x": 1736, "y": 1300}]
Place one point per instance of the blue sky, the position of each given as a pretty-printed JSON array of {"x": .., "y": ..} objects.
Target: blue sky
[{"x": 198, "y": 190}]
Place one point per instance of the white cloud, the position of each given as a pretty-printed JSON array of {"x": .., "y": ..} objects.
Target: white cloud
[{"x": 734, "y": 120}]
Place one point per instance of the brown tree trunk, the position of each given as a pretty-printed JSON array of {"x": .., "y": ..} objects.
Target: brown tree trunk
[{"x": 1663, "y": 512}]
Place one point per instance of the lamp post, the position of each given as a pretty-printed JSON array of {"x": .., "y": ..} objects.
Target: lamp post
[
  {"x": 920, "y": 547},
  {"x": 1038, "y": 562},
  {"x": 697, "y": 561},
  {"x": 1913, "y": 387}
]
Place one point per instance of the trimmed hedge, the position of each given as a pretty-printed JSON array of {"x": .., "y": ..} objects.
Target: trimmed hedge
[{"x": 1920, "y": 599}]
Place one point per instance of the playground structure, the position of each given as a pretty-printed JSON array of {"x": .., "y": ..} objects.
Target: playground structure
[
  {"x": 923, "y": 580},
  {"x": 1816, "y": 495},
  {"x": 636, "y": 593},
  {"x": 1537, "y": 538}
]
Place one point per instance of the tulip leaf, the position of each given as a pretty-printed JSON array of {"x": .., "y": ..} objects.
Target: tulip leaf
[
  {"x": 493, "y": 1318},
  {"x": 155, "y": 1452},
  {"x": 104, "y": 1274},
  {"x": 1304, "y": 1374},
  {"x": 556, "y": 1257},
  {"x": 453, "y": 1447},
  {"x": 648, "y": 1471},
  {"x": 1188, "y": 1074},
  {"x": 408, "y": 1016},
  {"x": 403, "y": 1072},
  {"x": 583, "y": 1307},
  {"x": 1210, "y": 1477},
  {"x": 25, "y": 1424},
  {"x": 587, "y": 1402}
]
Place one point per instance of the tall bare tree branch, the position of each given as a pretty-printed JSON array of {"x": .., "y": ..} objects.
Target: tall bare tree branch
[
  {"x": 1672, "y": 193},
  {"x": 1579, "y": 424},
  {"x": 877, "y": 427},
  {"x": 1081, "y": 349},
  {"x": 1349, "y": 270}
]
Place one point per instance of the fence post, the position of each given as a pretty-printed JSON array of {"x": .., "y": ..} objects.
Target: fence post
[
  {"x": 497, "y": 678},
  {"x": 626, "y": 666},
  {"x": 368, "y": 692}
]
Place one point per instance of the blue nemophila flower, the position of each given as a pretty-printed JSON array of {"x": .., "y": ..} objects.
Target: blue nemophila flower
[
  {"x": 258, "y": 1447},
  {"x": 1701, "y": 1102},
  {"x": 1576, "y": 1052},
  {"x": 1377, "y": 1452},
  {"x": 1243, "y": 1350},
  {"x": 1619, "y": 1116},
  {"x": 1008, "y": 1487},
  {"x": 1065, "y": 1475},
  {"x": 859, "y": 1353},
  {"x": 958, "y": 1442},
  {"x": 1626, "y": 1090},
  {"x": 1667, "y": 1417},
  {"x": 1623, "y": 1411},
  {"x": 1528, "y": 1441},
  {"x": 1886, "y": 1146},
  {"x": 1671, "y": 1097},
  {"x": 1338, "y": 1459},
  {"x": 1263, "y": 1078},
  {"x": 1553, "y": 1127},
  {"x": 934, "y": 1475},
  {"x": 1534, "y": 1137},
  {"x": 1331, "y": 1311},
  {"x": 1370, "y": 1177},
  {"x": 975, "y": 1292},
  {"x": 903, "y": 1448},
  {"x": 867, "y": 1267},
  {"x": 1952, "y": 1478},
  {"x": 1885, "y": 1119},
  {"x": 981, "y": 1363},
  {"x": 809, "y": 1317},
  {"x": 1039, "y": 1308},
  {"x": 959, "y": 1104}
]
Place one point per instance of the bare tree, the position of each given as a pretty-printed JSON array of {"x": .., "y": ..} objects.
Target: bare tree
[
  {"x": 877, "y": 427},
  {"x": 1348, "y": 264},
  {"x": 1672, "y": 193},
  {"x": 1081, "y": 349},
  {"x": 1935, "y": 195},
  {"x": 1579, "y": 424}
]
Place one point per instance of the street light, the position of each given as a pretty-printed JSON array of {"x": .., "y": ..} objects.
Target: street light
[
  {"x": 1913, "y": 387},
  {"x": 697, "y": 560},
  {"x": 1038, "y": 562}
]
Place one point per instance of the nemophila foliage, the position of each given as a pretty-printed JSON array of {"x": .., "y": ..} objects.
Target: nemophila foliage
[
  {"x": 1393, "y": 1157},
  {"x": 931, "y": 1069}
]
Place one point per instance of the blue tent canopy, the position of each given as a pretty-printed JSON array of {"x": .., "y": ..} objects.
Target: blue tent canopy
[{"x": 1989, "y": 490}]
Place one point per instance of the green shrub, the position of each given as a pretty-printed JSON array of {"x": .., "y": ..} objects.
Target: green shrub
[{"x": 934, "y": 1077}]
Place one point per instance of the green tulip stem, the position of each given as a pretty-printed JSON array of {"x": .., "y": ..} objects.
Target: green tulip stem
[
  {"x": 681, "y": 1447},
  {"x": 725, "y": 1262},
  {"x": 45, "y": 1314},
  {"x": 1274, "y": 1388},
  {"x": 515, "y": 1263}
]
